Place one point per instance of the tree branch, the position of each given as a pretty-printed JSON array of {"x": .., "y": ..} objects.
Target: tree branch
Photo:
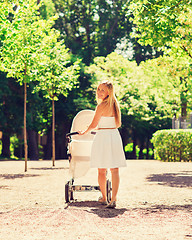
[{"x": 186, "y": 50}]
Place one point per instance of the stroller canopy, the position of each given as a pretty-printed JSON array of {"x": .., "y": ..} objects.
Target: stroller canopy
[{"x": 80, "y": 145}]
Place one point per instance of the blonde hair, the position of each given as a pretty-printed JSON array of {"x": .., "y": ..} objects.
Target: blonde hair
[{"x": 111, "y": 101}]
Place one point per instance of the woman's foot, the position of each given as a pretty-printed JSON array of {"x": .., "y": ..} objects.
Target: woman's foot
[
  {"x": 112, "y": 204},
  {"x": 102, "y": 201}
]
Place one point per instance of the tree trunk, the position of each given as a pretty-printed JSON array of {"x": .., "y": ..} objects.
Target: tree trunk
[
  {"x": 141, "y": 149},
  {"x": 125, "y": 139},
  {"x": 48, "y": 147},
  {"x": 184, "y": 110},
  {"x": 19, "y": 150},
  {"x": 25, "y": 127},
  {"x": 53, "y": 132},
  {"x": 134, "y": 155},
  {"x": 183, "y": 99},
  {"x": 6, "y": 146},
  {"x": 147, "y": 154},
  {"x": 60, "y": 140},
  {"x": 125, "y": 136},
  {"x": 33, "y": 145}
]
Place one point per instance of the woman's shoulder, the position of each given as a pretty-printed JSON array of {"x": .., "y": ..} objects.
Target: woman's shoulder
[
  {"x": 102, "y": 106},
  {"x": 99, "y": 109},
  {"x": 105, "y": 110}
]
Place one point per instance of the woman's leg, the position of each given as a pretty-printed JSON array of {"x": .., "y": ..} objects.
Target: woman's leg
[
  {"x": 115, "y": 182},
  {"x": 102, "y": 182}
]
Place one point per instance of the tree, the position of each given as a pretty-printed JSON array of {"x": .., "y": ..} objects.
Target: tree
[
  {"x": 57, "y": 72},
  {"x": 38, "y": 120},
  {"x": 168, "y": 25},
  {"x": 11, "y": 105},
  {"x": 47, "y": 9},
  {"x": 164, "y": 23},
  {"x": 176, "y": 84},
  {"x": 92, "y": 28},
  {"x": 22, "y": 34}
]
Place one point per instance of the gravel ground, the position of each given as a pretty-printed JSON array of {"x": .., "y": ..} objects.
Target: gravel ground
[{"x": 154, "y": 203}]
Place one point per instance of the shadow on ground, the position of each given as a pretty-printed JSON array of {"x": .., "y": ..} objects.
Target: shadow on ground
[
  {"x": 14, "y": 176},
  {"x": 108, "y": 213},
  {"x": 180, "y": 179},
  {"x": 98, "y": 209},
  {"x": 103, "y": 212},
  {"x": 188, "y": 235},
  {"x": 50, "y": 168},
  {"x": 161, "y": 208}
]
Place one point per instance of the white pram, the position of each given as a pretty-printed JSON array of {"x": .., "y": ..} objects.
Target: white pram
[{"x": 79, "y": 152}]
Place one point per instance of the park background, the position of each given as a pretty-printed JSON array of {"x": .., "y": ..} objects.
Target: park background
[{"x": 53, "y": 53}]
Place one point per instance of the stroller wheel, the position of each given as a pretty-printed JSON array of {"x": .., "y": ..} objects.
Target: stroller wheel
[
  {"x": 108, "y": 190},
  {"x": 71, "y": 196},
  {"x": 67, "y": 193}
]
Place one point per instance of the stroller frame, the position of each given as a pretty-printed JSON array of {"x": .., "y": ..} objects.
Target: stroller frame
[{"x": 70, "y": 188}]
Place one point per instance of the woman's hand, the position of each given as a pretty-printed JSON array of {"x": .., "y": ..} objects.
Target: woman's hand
[{"x": 81, "y": 132}]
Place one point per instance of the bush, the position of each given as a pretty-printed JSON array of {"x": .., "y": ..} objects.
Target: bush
[
  {"x": 14, "y": 141},
  {"x": 173, "y": 145},
  {"x": 150, "y": 154},
  {"x": 129, "y": 149}
]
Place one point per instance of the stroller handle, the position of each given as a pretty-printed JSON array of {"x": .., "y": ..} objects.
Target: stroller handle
[
  {"x": 72, "y": 133},
  {"x": 75, "y": 133}
]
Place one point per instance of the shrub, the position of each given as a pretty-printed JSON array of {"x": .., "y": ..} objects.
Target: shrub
[
  {"x": 173, "y": 145},
  {"x": 129, "y": 149},
  {"x": 150, "y": 154},
  {"x": 13, "y": 144}
]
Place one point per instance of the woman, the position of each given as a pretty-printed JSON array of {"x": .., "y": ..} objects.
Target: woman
[{"x": 107, "y": 149}]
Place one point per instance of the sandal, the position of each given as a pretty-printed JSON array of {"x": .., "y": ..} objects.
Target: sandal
[
  {"x": 100, "y": 200},
  {"x": 111, "y": 204}
]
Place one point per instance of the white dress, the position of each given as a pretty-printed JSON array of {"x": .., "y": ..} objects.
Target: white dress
[{"x": 107, "y": 148}]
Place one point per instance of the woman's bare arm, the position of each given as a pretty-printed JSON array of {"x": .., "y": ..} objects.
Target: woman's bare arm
[{"x": 95, "y": 121}]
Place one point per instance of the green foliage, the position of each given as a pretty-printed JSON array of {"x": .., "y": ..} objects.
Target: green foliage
[
  {"x": 164, "y": 23},
  {"x": 47, "y": 9},
  {"x": 92, "y": 28},
  {"x": 135, "y": 90},
  {"x": 167, "y": 25},
  {"x": 4, "y": 13},
  {"x": 39, "y": 111},
  {"x": 56, "y": 70},
  {"x": 150, "y": 152},
  {"x": 22, "y": 39},
  {"x": 31, "y": 52},
  {"x": 11, "y": 105},
  {"x": 14, "y": 142},
  {"x": 170, "y": 83},
  {"x": 173, "y": 145},
  {"x": 129, "y": 149}
]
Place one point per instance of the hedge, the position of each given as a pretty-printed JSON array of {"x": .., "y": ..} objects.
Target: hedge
[{"x": 173, "y": 145}]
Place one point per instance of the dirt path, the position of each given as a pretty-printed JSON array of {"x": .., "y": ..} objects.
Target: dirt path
[{"x": 154, "y": 203}]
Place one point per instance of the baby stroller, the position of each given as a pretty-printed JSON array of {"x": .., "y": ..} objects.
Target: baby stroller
[{"x": 79, "y": 152}]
